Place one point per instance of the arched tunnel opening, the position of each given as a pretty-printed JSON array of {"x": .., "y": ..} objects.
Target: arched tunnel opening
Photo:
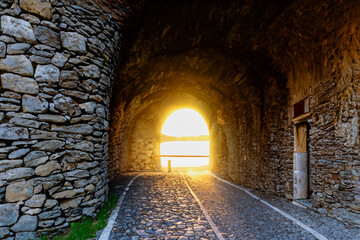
[
  {"x": 246, "y": 67},
  {"x": 215, "y": 71},
  {"x": 184, "y": 140}
]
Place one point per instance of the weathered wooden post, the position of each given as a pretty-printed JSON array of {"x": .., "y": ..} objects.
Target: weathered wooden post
[{"x": 169, "y": 165}]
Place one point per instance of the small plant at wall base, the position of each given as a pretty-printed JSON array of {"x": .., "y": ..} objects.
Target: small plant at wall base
[{"x": 87, "y": 227}]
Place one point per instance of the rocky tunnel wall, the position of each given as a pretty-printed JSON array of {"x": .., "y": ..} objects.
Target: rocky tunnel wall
[
  {"x": 247, "y": 64},
  {"x": 57, "y": 61},
  {"x": 321, "y": 62}
]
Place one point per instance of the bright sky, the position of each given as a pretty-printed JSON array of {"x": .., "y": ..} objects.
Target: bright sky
[
  {"x": 185, "y": 122},
  {"x": 189, "y": 123}
]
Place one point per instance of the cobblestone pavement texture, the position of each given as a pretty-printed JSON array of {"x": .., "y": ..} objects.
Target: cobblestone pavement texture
[
  {"x": 235, "y": 212},
  {"x": 159, "y": 206}
]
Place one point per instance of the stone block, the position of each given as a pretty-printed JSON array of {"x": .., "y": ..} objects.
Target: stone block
[
  {"x": 47, "y": 169},
  {"x": 76, "y": 174},
  {"x": 59, "y": 60},
  {"x": 42, "y": 8},
  {"x": 85, "y": 146},
  {"x": 18, "y": 64},
  {"x": 9, "y": 132},
  {"x": 9, "y": 214},
  {"x": 20, "y": 29},
  {"x": 50, "y": 203},
  {"x": 52, "y": 118},
  {"x": 65, "y": 194},
  {"x": 87, "y": 165},
  {"x": 90, "y": 188},
  {"x": 25, "y": 122},
  {"x": 72, "y": 156},
  {"x": 66, "y": 105},
  {"x": 17, "y": 173},
  {"x": 69, "y": 79},
  {"x": 18, "y": 48},
  {"x": 70, "y": 203},
  {"x": 18, "y": 191},
  {"x": 47, "y": 36},
  {"x": 34, "y": 104},
  {"x": 35, "y": 158},
  {"x": 36, "y": 201},
  {"x": 88, "y": 107},
  {"x": 49, "y": 145},
  {"x": 40, "y": 134},
  {"x": 89, "y": 211},
  {"x": 30, "y": 18},
  {"x": 73, "y": 41},
  {"x": 33, "y": 211},
  {"x": 50, "y": 214},
  {"x": 75, "y": 94},
  {"x": 46, "y": 223},
  {"x": 47, "y": 73},
  {"x": 19, "y": 153},
  {"x": 91, "y": 71},
  {"x": 76, "y": 128},
  {"x": 41, "y": 53},
  {"x": 81, "y": 183},
  {"x": 40, "y": 59},
  {"x": 26, "y": 223},
  {"x": 19, "y": 84}
]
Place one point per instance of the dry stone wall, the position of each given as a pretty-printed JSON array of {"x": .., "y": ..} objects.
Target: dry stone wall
[
  {"x": 144, "y": 144},
  {"x": 56, "y": 62},
  {"x": 334, "y": 146}
]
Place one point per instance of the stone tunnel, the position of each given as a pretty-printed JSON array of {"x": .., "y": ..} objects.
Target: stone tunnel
[{"x": 87, "y": 85}]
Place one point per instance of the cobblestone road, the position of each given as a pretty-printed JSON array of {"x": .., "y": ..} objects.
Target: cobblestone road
[{"x": 160, "y": 206}]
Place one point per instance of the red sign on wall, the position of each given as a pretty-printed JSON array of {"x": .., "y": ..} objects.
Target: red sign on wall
[{"x": 301, "y": 108}]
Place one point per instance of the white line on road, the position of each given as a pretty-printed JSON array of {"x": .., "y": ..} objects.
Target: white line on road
[
  {"x": 207, "y": 216},
  {"x": 294, "y": 220},
  {"x": 107, "y": 230}
]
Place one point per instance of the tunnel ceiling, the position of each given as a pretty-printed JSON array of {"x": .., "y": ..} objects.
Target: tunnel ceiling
[{"x": 226, "y": 46}]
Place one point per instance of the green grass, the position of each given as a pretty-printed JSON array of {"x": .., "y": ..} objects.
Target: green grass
[{"x": 87, "y": 227}]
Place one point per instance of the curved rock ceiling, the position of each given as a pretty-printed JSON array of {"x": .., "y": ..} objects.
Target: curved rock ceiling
[{"x": 228, "y": 41}]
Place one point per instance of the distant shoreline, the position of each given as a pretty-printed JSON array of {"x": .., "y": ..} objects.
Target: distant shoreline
[{"x": 165, "y": 138}]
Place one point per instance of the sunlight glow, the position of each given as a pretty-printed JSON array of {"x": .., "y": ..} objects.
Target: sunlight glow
[
  {"x": 185, "y": 122},
  {"x": 184, "y": 132}
]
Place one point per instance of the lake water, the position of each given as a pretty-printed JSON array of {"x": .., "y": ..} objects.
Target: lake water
[{"x": 185, "y": 148}]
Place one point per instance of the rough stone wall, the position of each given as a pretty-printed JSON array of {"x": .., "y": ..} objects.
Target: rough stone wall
[
  {"x": 334, "y": 146},
  {"x": 144, "y": 143},
  {"x": 56, "y": 62},
  {"x": 326, "y": 69}
]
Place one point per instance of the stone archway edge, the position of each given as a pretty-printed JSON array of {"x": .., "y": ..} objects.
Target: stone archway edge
[{"x": 107, "y": 230}]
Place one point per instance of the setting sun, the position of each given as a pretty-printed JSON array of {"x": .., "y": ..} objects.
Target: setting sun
[{"x": 185, "y": 133}]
